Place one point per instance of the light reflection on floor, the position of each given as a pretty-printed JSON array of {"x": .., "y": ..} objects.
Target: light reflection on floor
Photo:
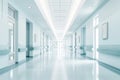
[{"x": 58, "y": 65}]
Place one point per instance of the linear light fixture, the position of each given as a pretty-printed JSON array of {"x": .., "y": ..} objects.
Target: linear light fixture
[
  {"x": 73, "y": 13},
  {"x": 44, "y": 8}
]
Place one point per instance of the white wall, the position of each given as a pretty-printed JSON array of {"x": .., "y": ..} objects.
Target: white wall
[
  {"x": 36, "y": 39},
  {"x": 109, "y": 13},
  {"x": 3, "y": 25},
  {"x": 3, "y": 32},
  {"x": 21, "y": 35},
  {"x": 89, "y": 33},
  {"x": 21, "y": 32}
]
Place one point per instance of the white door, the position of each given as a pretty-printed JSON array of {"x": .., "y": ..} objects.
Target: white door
[{"x": 11, "y": 41}]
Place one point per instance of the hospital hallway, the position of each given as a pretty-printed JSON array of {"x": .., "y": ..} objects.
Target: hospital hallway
[
  {"x": 59, "y": 39},
  {"x": 60, "y": 66}
]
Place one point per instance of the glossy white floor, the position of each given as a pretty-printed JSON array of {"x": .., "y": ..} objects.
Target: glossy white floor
[{"x": 60, "y": 67}]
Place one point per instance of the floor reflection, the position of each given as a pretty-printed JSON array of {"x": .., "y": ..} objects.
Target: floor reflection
[{"x": 60, "y": 64}]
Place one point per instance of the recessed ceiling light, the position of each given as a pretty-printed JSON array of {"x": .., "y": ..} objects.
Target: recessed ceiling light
[{"x": 29, "y": 7}]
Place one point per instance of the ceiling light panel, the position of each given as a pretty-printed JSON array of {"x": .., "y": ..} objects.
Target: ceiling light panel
[
  {"x": 44, "y": 8},
  {"x": 60, "y": 10},
  {"x": 59, "y": 13},
  {"x": 76, "y": 6}
]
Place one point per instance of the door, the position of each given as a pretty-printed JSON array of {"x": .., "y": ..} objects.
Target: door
[
  {"x": 83, "y": 39},
  {"x": 13, "y": 34},
  {"x": 11, "y": 41},
  {"x": 43, "y": 43},
  {"x": 29, "y": 39}
]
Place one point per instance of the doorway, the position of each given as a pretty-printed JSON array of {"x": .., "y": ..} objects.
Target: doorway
[
  {"x": 83, "y": 40},
  {"x": 29, "y": 39},
  {"x": 75, "y": 46},
  {"x": 13, "y": 34}
]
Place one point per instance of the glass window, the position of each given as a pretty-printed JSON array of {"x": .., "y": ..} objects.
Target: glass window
[{"x": 11, "y": 13}]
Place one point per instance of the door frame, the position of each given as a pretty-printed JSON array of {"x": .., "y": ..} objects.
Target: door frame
[
  {"x": 95, "y": 37},
  {"x": 83, "y": 40},
  {"x": 29, "y": 39},
  {"x": 15, "y": 32},
  {"x": 95, "y": 42}
]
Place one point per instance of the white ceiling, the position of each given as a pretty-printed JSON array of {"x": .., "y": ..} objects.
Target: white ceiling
[
  {"x": 87, "y": 10},
  {"x": 60, "y": 11},
  {"x": 34, "y": 13}
]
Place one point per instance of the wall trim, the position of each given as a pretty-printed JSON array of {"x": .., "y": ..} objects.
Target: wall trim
[
  {"x": 88, "y": 48},
  {"x": 109, "y": 49},
  {"x": 107, "y": 66},
  {"x": 4, "y": 52}
]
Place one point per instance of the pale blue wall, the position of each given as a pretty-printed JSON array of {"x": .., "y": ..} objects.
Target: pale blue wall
[
  {"x": 3, "y": 33},
  {"x": 110, "y": 13},
  {"x": 22, "y": 16},
  {"x": 3, "y": 25}
]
